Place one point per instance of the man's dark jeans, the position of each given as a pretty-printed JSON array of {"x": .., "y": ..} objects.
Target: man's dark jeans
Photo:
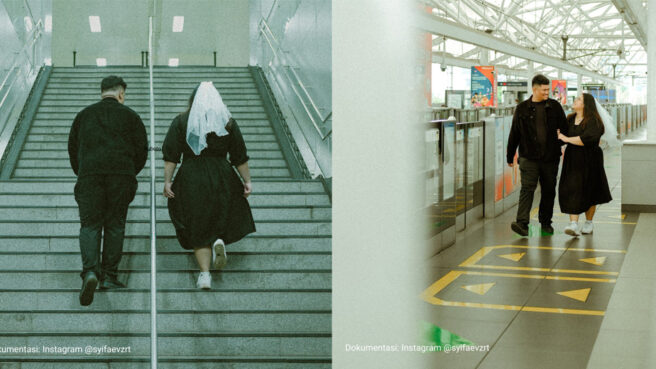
[
  {"x": 532, "y": 172},
  {"x": 103, "y": 202}
]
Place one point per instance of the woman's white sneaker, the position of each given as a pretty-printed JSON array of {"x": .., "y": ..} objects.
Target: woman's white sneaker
[
  {"x": 219, "y": 257},
  {"x": 573, "y": 229},
  {"x": 204, "y": 280},
  {"x": 587, "y": 227}
]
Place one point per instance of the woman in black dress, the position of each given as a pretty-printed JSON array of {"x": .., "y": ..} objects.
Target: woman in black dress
[
  {"x": 207, "y": 201},
  {"x": 583, "y": 183}
]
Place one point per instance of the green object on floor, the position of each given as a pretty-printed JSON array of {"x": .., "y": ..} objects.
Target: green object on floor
[{"x": 437, "y": 336}]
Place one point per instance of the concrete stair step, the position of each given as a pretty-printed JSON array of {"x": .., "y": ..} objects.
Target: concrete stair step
[
  {"x": 144, "y": 110},
  {"x": 159, "y": 130},
  {"x": 158, "y": 138},
  {"x": 74, "y": 92},
  {"x": 144, "y": 103},
  {"x": 63, "y": 154},
  {"x": 191, "y": 300},
  {"x": 143, "y": 199},
  {"x": 61, "y": 145},
  {"x": 142, "y": 214},
  {"x": 159, "y": 122},
  {"x": 252, "y": 243},
  {"x": 143, "y": 98},
  {"x": 68, "y": 173},
  {"x": 65, "y": 163},
  {"x": 157, "y": 84},
  {"x": 135, "y": 279},
  {"x": 187, "y": 344},
  {"x": 26, "y": 186},
  {"x": 70, "y": 229},
  {"x": 238, "y": 116}
]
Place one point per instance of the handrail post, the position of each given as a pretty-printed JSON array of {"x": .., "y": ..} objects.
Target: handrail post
[{"x": 153, "y": 244}]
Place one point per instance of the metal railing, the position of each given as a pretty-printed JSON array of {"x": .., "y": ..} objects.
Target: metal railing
[
  {"x": 153, "y": 213},
  {"x": 298, "y": 87}
]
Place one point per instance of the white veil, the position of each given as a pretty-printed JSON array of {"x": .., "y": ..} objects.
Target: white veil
[
  {"x": 208, "y": 114},
  {"x": 610, "y": 129}
]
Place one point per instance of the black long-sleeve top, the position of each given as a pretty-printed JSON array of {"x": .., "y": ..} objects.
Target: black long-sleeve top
[{"x": 107, "y": 138}]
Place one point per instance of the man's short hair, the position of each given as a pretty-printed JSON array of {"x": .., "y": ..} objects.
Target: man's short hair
[
  {"x": 111, "y": 83},
  {"x": 540, "y": 80}
]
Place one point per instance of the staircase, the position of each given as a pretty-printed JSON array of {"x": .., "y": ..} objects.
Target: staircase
[{"x": 269, "y": 308}]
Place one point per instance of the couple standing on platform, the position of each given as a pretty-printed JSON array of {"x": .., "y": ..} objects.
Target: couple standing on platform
[
  {"x": 540, "y": 128},
  {"x": 207, "y": 201}
]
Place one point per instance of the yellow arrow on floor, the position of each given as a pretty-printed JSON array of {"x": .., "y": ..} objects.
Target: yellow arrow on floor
[
  {"x": 580, "y": 295},
  {"x": 480, "y": 289},
  {"x": 513, "y": 257},
  {"x": 618, "y": 216},
  {"x": 596, "y": 261}
]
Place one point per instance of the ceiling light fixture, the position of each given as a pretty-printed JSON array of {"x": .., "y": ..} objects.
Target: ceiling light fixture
[
  {"x": 178, "y": 23},
  {"x": 94, "y": 23}
]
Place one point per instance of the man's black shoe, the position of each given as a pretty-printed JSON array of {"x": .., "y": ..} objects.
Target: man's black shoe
[
  {"x": 547, "y": 228},
  {"x": 88, "y": 288},
  {"x": 519, "y": 228},
  {"x": 111, "y": 283}
]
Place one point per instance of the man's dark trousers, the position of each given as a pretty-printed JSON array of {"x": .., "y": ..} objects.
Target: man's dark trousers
[
  {"x": 103, "y": 202},
  {"x": 532, "y": 172}
]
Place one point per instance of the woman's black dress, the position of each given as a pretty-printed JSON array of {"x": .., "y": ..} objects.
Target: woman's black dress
[
  {"x": 209, "y": 201},
  {"x": 583, "y": 181}
]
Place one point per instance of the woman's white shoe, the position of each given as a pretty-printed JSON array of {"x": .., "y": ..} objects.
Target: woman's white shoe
[
  {"x": 204, "y": 280},
  {"x": 573, "y": 229},
  {"x": 219, "y": 257},
  {"x": 587, "y": 228}
]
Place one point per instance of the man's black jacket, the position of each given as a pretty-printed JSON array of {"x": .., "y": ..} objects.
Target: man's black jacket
[
  {"x": 107, "y": 138},
  {"x": 523, "y": 132}
]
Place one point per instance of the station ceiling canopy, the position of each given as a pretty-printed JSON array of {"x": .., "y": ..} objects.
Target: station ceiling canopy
[{"x": 591, "y": 34}]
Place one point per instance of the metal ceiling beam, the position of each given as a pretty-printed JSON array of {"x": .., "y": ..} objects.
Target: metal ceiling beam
[
  {"x": 634, "y": 15},
  {"x": 459, "y": 32}
]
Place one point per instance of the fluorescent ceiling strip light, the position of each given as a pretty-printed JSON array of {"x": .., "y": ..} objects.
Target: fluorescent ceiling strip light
[
  {"x": 94, "y": 23},
  {"x": 178, "y": 23}
]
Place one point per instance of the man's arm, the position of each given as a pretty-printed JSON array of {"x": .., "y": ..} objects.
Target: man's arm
[
  {"x": 513, "y": 140},
  {"x": 563, "y": 126},
  {"x": 140, "y": 145},
  {"x": 73, "y": 144}
]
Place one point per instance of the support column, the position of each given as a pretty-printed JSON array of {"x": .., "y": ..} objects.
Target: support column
[
  {"x": 639, "y": 158},
  {"x": 484, "y": 56},
  {"x": 579, "y": 84},
  {"x": 529, "y": 76}
]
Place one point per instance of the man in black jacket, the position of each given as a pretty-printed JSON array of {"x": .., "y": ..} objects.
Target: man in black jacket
[
  {"x": 107, "y": 147},
  {"x": 534, "y": 129}
]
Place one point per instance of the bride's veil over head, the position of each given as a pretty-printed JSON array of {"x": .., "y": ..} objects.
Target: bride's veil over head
[
  {"x": 208, "y": 114},
  {"x": 610, "y": 129}
]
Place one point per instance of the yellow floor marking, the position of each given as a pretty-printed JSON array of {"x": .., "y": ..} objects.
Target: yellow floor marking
[
  {"x": 429, "y": 294},
  {"x": 472, "y": 261},
  {"x": 618, "y": 216},
  {"x": 480, "y": 289},
  {"x": 596, "y": 261},
  {"x": 513, "y": 257},
  {"x": 580, "y": 295}
]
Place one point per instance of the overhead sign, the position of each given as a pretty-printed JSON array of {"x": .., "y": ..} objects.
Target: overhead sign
[{"x": 483, "y": 87}]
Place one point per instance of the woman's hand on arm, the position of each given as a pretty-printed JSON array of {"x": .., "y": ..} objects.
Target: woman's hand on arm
[
  {"x": 245, "y": 174},
  {"x": 169, "y": 168}
]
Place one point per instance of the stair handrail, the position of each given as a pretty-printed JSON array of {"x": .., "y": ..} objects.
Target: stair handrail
[
  {"x": 153, "y": 213},
  {"x": 271, "y": 39}
]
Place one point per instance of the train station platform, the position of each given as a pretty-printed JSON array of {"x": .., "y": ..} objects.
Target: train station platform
[{"x": 549, "y": 301}]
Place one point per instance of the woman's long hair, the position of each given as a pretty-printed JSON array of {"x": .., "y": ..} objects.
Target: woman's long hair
[{"x": 590, "y": 113}]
